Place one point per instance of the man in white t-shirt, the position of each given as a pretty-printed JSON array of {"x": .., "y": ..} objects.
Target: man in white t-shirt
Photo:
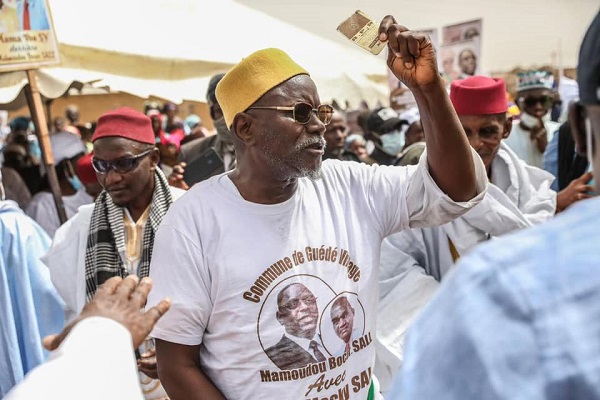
[{"x": 228, "y": 247}]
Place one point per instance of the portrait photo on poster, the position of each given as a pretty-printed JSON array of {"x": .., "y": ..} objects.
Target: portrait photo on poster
[
  {"x": 28, "y": 35},
  {"x": 460, "y": 60}
]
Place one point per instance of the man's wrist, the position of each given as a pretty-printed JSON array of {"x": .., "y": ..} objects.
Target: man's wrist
[{"x": 436, "y": 86}]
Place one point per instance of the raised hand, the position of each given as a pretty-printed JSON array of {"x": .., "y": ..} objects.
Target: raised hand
[
  {"x": 539, "y": 135},
  {"x": 147, "y": 364},
  {"x": 176, "y": 177},
  {"x": 411, "y": 56},
  {"x": 577, "y": 190}
]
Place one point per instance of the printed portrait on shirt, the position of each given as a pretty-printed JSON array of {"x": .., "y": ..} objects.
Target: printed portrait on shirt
[
  {"x": 294, "y": 305},
  {"x": 311, "y": 326},
  {"x": 342, "y": 322}
]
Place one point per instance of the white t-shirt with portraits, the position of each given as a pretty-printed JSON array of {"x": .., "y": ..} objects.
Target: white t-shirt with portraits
[{"x": 224, "y": 261}]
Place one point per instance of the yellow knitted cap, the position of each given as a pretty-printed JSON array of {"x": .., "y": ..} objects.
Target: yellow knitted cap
[{"x": 251, "y": 78}]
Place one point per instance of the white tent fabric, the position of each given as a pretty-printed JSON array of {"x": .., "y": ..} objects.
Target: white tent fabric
[
  {"x": 171, "y": 48},
  {"x": 516, "y": 33},
  {"x": 52, "y": 83}
]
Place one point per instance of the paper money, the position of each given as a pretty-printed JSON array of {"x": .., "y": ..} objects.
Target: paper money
[{"x": 363, "y": 31}]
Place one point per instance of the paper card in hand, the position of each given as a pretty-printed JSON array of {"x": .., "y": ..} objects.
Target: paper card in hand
[{"x": 363, "y": 31}]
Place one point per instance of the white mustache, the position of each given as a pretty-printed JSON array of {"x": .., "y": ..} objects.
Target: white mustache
[{"x": 310, "y": 142}]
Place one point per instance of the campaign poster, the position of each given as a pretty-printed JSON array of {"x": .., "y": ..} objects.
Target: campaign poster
[
  {"x": 27, "y": 39},
  {"x": 459, "y": 55},
  {"x": 461, "y": 32},
  {"x": 460, "y": 60}
]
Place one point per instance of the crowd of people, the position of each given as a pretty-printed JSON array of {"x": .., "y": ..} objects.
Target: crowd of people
[{"x": 307, "y": 251}]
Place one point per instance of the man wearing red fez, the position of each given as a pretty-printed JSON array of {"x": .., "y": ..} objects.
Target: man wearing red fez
[
  {"x": 518, "y": 319},
  {"x": 480, "y": 103},
  {"x": 115, "y": 235},
  {"x": 519, "y": 196}
]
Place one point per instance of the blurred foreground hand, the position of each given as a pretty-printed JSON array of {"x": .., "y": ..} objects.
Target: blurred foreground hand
[{"x": 121, "y": 300}]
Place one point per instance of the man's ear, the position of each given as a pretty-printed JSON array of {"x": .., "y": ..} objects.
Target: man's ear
[
  {"x": 154, "y": 157},
  {"x": 507, "y": 127},
  {"x": 242, "y": 128}
]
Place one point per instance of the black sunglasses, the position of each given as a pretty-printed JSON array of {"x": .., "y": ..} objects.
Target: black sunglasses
[
  {"x": 301, "y": 112},
  {"x": 545, "y": 100},
  {"x": 121, "y": 165}
]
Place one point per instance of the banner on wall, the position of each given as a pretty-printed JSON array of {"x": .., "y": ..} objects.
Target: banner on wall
[
  {"x": 460, "y": 60},
  {"x": 27, "y": 39},
  {"x": 461, "y": 32},
  {"x": 459, "y": 54}
]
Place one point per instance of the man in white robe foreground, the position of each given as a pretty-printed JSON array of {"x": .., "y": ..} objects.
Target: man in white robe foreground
[{"x": 112, "y": 321}]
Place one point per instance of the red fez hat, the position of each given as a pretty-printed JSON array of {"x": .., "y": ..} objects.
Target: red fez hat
[
  {"x": 479, "y": 95},
  {"x": 125, "y": 122},
  {"x": 85, "y": 170}
]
